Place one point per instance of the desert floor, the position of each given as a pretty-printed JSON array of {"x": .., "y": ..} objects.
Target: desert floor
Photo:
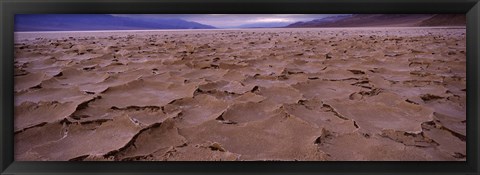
[{"x": 253, "y": 94}]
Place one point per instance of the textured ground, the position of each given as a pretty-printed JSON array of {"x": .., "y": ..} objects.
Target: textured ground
[{"x": 260, "y": 94}]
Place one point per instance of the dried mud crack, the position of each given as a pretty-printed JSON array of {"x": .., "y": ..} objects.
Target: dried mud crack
[{"x": 228, "y": 95}]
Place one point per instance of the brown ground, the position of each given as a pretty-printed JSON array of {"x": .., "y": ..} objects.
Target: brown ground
[{"x": 260, "y": 94}]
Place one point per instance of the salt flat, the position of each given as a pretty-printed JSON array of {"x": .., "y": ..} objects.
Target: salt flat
[{"x": 242, "y": 94}]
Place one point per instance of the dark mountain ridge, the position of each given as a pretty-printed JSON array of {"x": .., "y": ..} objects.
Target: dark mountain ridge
[
  {"x": 385, "y": 20},
  {"x": 445, "y": 20},
  {"x": 79, "y": 22}
]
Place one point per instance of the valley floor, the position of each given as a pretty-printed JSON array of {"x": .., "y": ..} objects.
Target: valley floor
[{"x": 256, "y": 94}]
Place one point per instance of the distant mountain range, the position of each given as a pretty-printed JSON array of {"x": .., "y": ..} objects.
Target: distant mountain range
[
  {"x": 81, "y": 22},
  {"x": 264, "y": 25},
  {"x": 72, "y": 22},
  {"x": 445, "y": 20},
  {"x": 385, "y": 20}
]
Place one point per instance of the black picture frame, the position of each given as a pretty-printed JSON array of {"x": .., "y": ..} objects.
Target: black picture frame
[{"x": 10, "y": 7}]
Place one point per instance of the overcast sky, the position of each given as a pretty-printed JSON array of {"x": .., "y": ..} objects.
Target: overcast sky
[{"x": 234, "y": 20}]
